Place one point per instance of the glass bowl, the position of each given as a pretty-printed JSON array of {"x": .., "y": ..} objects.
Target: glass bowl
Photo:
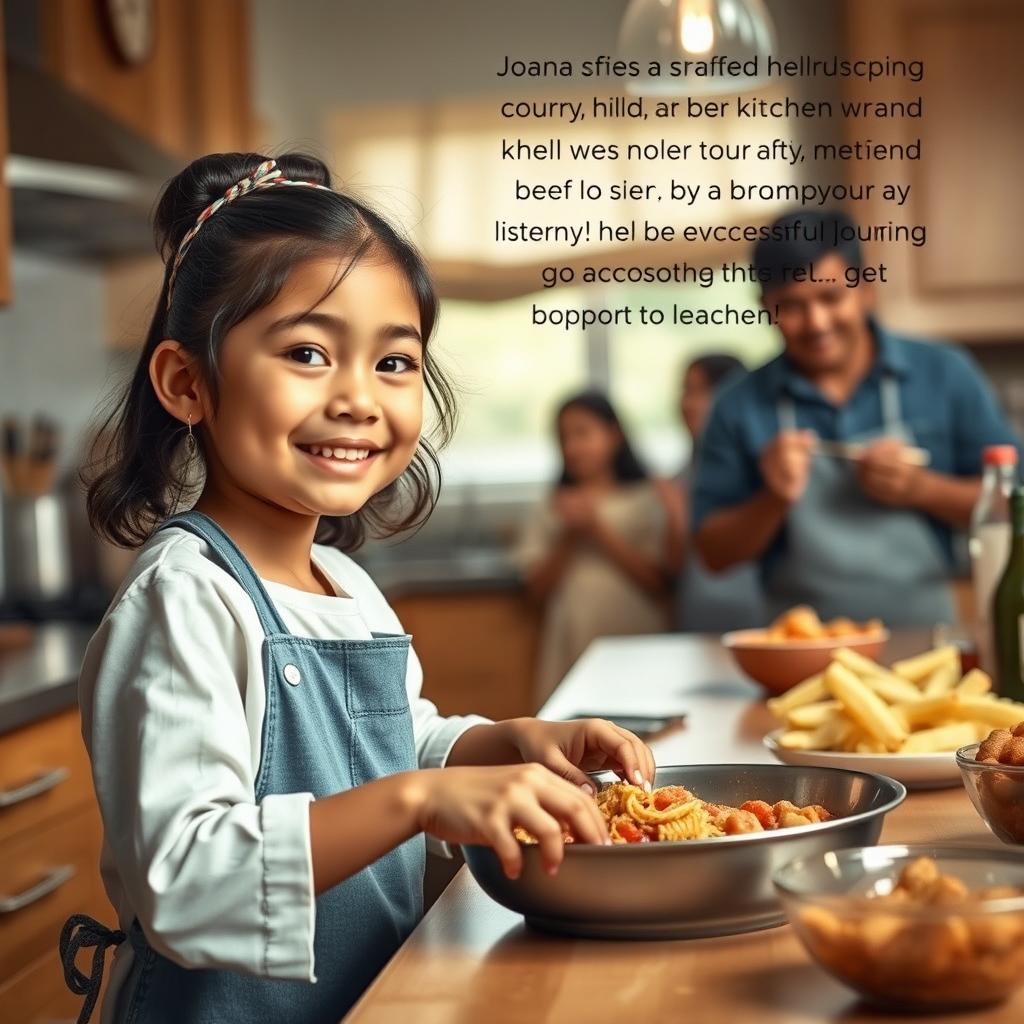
[
  {"x": 948, "y": 954},
  {"x": 997, "y": 792}
]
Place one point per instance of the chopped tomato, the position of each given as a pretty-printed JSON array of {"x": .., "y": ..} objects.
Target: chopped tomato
[
  {"x": 628, "y": 831},
  {"x": 666, "y": 796}
]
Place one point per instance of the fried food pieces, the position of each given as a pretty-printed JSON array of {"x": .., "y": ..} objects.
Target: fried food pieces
[
  {"x": 1002, "y": 792},
  {"x": 802, "y": 623},
  {"x": 928, "y": 941}
]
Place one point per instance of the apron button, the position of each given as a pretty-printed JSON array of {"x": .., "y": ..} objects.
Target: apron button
[{"x": 291, "y": 675}]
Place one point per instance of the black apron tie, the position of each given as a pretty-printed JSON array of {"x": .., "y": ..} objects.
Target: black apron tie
[{"x": 90, "y": 934}]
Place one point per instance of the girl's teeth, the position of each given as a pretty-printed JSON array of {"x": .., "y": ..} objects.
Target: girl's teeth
[{"x": 345, "y": 454}]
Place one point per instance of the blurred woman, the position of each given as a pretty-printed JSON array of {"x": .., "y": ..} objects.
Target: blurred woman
[
  {"x": 599, "y": 552},
  {"x": 710, "y": 602}
]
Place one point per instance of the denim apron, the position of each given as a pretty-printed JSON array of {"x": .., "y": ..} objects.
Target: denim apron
[
  {"x": 848, "y": 555},
  {"x": 337, "y": 715}
]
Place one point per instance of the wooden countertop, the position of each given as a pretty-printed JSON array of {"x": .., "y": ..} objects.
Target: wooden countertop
[{"x": 472, "y": 960}]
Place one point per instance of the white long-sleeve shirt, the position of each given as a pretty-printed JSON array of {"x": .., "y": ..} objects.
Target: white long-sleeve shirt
[{"x": 173, "y": 697}]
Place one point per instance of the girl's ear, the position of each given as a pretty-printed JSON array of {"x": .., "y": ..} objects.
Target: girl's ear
[{"x": 176, "y": 381}]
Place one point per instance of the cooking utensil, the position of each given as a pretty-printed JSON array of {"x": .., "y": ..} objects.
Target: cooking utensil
[
  {"x": 29, "y": 465},
  {"x": 853, "y": 450},
  {"x": 37, "y": 547},
  {"x": 698, "y": 887}
]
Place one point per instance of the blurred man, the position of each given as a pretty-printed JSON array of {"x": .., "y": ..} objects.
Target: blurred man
[{"x": 863, "y": 529}]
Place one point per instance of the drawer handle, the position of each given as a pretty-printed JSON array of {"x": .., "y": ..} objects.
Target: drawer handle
[
  {"x": 54, "y": 880},
  {"x": 40, "y": 784}
]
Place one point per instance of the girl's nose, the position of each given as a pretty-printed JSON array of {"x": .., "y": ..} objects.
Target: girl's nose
[{"x": 354, "y": 397}]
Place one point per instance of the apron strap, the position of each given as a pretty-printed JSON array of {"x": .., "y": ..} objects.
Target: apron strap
[
  {"x": 81, "y": 932},
  {"x": 785, "y": 409},
  {"x": 232, "y": 559},
  {"x": 892, "y": 412}
]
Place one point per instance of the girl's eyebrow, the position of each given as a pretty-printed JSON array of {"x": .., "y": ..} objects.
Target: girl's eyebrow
[{"x": 387, "y": 332}]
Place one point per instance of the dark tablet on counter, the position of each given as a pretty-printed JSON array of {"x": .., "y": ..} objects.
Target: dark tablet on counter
[{"x": 642, "y": 725}]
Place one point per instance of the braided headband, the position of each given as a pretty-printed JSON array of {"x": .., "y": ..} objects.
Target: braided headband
[{"x": 267, "y": 175}]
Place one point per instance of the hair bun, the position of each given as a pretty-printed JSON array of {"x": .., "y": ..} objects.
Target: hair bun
[{"x": 206, "y": 179}]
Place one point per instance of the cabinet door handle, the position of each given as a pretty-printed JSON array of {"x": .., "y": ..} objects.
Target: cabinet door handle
[
  {"x": 54, "y": 880},
  {"x": 40, "y": 784}
]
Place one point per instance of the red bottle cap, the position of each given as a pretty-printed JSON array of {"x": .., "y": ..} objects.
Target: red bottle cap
[{"x": 999, "y": 455}]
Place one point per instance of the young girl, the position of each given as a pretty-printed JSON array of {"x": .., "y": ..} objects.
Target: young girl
[
  {"x": 601, "y": 550},
  {"x": 264, "y": 764}
]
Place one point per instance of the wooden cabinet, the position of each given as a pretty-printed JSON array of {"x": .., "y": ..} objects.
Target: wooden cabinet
[
  {"x": 478, "y": 650},
  {"x": 967, "y": 281},
  {"x": 189, "y": 96},
  {"x": 50, "y": 839},
  {"x": 5, "y": 199}
]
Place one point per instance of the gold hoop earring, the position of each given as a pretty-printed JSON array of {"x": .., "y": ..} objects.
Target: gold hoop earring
[{"x": 191, "y": 445}]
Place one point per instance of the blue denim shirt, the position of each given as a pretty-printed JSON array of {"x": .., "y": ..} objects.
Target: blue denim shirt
[{"x": 946, "y": 403}]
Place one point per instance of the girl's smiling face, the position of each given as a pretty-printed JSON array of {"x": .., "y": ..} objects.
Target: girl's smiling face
[{"x": 320, "y": 398}]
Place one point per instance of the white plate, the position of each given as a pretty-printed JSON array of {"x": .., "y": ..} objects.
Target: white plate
[{"x": 915, "y": 771}]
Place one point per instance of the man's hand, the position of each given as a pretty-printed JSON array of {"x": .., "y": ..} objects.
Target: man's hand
[
  {"x": 887, "y": 475},
  {"x": 786, "y": 464}
]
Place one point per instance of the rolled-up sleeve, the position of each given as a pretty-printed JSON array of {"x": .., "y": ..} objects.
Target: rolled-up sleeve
[{"x": 215, "y": 878}]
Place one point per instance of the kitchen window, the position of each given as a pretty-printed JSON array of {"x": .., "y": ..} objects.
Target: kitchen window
[{"x": 512, "y": 375}]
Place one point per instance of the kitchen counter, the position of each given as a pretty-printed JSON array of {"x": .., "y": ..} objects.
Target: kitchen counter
[
  {"x": 471, "y": 959},
  {"x": 42, "y": 678},
  {"x": 462, "y": 572}
]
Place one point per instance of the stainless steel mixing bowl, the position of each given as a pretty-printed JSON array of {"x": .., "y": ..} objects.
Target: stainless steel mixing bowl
[{"x": 699, "y": 887}]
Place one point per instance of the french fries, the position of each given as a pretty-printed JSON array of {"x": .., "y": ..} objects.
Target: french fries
[
  {"x": 865, "y": 707},
  {"x": 917, "y": 668},
  {"x": 920, "y": 705}
]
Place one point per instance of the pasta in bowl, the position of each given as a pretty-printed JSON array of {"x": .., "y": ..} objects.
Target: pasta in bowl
[
  {"x": 678, "y": 887},
  {"x": 674, "y": 814}
]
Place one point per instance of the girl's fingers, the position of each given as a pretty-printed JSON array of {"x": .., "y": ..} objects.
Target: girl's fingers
[
  {"x": 498, "y": 835},
  {"x": 546, "y": 830},
  {"x": 620, "y": 745},
  {"x": 642, "y": 756},
  {"x": 558, "y": 763},
  {"x": 578, "y": 811},
  {"x": 629, "y": 764}
]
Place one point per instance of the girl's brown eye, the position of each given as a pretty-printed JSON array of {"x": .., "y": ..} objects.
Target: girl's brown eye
[
  {"x": 396, "y": 364},
  {"x": 308, "y": 356}
]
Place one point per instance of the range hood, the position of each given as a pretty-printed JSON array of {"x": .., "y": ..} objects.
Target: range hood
[{"x": 82, "y": 184}]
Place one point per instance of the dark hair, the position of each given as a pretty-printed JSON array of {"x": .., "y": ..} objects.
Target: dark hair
[
  {"x": 234, "y": 266},
  {"x": 800, "y": 239},
  {"x": 716, "y": 366},
  {"x": 626, "y": 465}
]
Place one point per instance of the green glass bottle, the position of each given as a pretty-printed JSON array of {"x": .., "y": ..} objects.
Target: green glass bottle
[{"x": 1008, "y": 609}]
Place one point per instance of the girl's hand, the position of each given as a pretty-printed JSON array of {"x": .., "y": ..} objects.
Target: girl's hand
[
  {"x": 571, "y": 749},
  {"x": 482, "y": 805},
  {"x": 577, "y": 509}
]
